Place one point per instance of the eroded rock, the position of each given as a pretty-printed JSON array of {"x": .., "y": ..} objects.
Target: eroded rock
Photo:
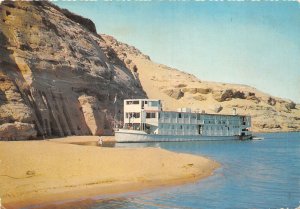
[
  {"x": 17, "y": 131},
  {"x": 174, "y": 93},
  {"x": 50, "y": 58}
]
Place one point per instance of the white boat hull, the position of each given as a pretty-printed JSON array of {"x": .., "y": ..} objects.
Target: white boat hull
[{"x": 139, "y": 136}]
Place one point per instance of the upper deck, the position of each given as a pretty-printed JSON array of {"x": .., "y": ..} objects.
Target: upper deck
[{"x": 141, "y": 114}]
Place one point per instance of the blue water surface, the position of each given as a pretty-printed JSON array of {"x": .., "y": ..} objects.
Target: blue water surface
[{"x": 254, "y": 174}]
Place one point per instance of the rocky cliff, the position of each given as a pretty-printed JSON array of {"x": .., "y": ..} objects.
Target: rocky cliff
[
  {"x": 57, "y": 76},
  {"x": 178, "y": 89}
]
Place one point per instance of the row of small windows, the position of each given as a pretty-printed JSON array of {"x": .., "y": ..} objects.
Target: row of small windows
[
  {"x": 150, "y": 103},
  {"x": 180, "y": 115},
  {"x": 220, "y": 119},
  {"x": 132, "y": 102},
  {"x": 138, "y": 115},
  {"x": 150, "y": 115},
  {"x": 167, "y": 126},
  {"x": 133, "y": 115}
]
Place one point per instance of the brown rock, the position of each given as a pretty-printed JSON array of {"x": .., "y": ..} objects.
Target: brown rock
[
  {"x": 17, "y": 131},
  {"x": 290, "y": 105},
  {"x": 54, "y": 71},
  {"x": 271, "y": 101},
  {"x": 174, "y": 93},
  {"x": 93, "y": 116},
  {"x": 197, "y": 90},
  {"x": 218, "y": 108},
  {"x": 222, "y": 96},
  {"x": 204, "y": 90},
  {"x": 181, "y": 85},
  {"x": 228, "y": 94},
  {"x": 251, "y": 96}
]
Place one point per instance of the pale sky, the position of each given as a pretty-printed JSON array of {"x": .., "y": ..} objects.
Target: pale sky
[{"x": 253, "y": 43}]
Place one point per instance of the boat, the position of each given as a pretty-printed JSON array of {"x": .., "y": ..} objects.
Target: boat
[{"x": 145, "y": 121}]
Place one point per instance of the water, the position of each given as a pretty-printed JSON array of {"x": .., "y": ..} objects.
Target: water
[{"x": 254, "y": 174}]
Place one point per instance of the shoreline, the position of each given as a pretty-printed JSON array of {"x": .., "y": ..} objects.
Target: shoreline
[
  {"x": 57, "y": 170},
  {"x": 94, "y": 194}
]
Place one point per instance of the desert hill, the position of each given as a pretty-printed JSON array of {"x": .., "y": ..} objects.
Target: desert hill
[
  {"x": 57, "y": 75},
  {"x": 179, "y": 89}
]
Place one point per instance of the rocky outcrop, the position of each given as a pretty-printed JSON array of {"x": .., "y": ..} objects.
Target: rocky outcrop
[
  {"x": 290, "y": 105},
  {"x": 121, "y": 50},
  {"x": 197, "y": 90},
  {"x": 218, "y": 108},
  {"x": 56, "y": 74},
  {"x": 251, "y": 96},
  {"x": 271, "y": 101},
  {"x": 85, "y": 22},
  {"x": 17, "y": 131},
  {"x": 228, "y": 94},
  {"x": 174, "y": 93},
  {"x": 93, "y": 116}
]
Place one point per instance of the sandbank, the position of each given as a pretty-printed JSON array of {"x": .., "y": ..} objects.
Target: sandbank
[{"x": 41, "y": 172}]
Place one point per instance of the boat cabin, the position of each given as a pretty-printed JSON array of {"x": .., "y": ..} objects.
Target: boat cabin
[{"x": 147, "y": 115}]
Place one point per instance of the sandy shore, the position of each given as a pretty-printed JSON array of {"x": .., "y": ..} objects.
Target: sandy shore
[{"x": 35, "y": 172}]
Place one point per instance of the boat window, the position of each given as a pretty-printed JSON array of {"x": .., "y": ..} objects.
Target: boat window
[
  {"x": 153, "y": 103},
  {"x": 133, "y": 115},
  {"x": 136, "y": 115},
  {"x": 150, "y": 115},
  {"x": 179, "y": 115},
  {"x": 132, "y": 102}
]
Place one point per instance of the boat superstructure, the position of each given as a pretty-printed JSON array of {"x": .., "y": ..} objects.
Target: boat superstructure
[{"x": 144, "y": 120}]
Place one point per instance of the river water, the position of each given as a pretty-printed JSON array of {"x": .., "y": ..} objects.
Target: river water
[{"x": 254, "y": 174}]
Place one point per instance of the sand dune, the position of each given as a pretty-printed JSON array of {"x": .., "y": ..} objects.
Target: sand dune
[{"x": 45, "y": 171}]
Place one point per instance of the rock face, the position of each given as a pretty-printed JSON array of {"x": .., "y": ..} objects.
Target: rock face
[
  {"x": 290, "y": 105},
  {"x": 228, "y": 94},
  {"x": 57, "y": 75},
  {"x": 174, "y": 93},
  {"x": 93, "y": 116},
  {"x": 17, "y": 131}
]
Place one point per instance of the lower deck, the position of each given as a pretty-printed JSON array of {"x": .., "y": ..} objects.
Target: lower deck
[
  {"x": 141, "y": 136},
  {"x": 190, "y": 129}
]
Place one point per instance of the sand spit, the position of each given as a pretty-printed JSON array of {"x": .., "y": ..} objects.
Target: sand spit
[{"x": 34, "y": 172}]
